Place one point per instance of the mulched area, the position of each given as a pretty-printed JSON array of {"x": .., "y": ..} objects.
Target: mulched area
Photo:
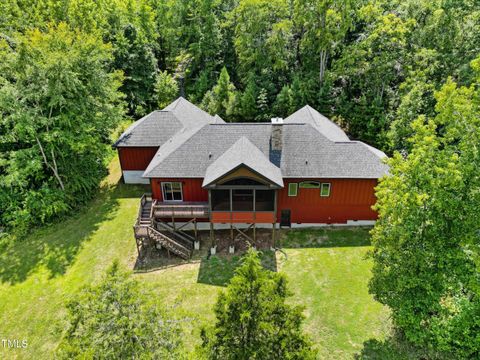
[
  {"x": 224, "y": 240},
  {"x": 153, "y": 259}
]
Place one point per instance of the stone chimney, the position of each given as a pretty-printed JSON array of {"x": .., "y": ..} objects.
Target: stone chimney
[{"x": 276, "y": 138}]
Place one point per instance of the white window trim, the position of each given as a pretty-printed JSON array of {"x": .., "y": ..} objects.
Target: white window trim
[
  {"x": 329, "y": 189},
  {"x": 171, "y": 182},
  {"x": 301, "y": 185},
  {"x": 296, "y": 189}
]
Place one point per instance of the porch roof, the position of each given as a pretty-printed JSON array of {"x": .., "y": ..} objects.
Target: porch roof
[{"x": 243, "y": 153}]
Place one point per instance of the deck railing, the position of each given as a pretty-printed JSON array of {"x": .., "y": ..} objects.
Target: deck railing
[{"x": 182, "y": 210}]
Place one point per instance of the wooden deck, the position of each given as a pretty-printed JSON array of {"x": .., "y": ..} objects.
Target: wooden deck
[{"x": 181, "y": 210}]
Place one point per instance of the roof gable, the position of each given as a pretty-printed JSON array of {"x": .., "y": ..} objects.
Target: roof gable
[
  {"x": 325, "y": 126},
  {"x": 243, "y": 153},
  {"x": 305, "y": 152},
  {"x": 159, "y": 126}
]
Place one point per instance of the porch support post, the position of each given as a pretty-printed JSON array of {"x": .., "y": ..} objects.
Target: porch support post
[
  {"x": 138, "y": 247},
  {"x": 195, "y": 228},
  {"x": 212, "y": 238},
  {"x": 255, "y": 234},
  {"x": 273, "y": 234}
]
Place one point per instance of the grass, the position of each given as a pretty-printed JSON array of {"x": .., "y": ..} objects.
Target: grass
[{"x": 326, "y": 268}]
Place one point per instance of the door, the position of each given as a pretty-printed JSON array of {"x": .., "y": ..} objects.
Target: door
[{"x": 285, "y": 218}]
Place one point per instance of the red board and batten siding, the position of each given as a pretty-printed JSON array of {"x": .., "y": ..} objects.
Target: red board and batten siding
[
  {"x": 350, "y": 199},
  {"x": 136, "y": 158},
  {"x": 191, "y": 188}
]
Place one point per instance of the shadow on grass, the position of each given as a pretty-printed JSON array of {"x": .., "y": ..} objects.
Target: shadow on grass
[
  {"x": 395, "y": 348},
  {"x": 219, "y": 269},
  {"x": 55, "y": 247},
  {"x": 325, "y": 237}
]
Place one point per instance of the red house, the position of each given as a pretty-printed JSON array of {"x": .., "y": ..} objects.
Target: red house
[{"x": 300, "y": 170}]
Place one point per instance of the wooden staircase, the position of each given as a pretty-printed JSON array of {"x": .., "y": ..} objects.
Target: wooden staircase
[{"x": 144, "y": 229}]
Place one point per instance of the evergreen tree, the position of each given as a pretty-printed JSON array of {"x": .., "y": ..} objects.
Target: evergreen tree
[
  {"x": 166, "y": 89},
  {"x": 137, "y": 60},
  {"x": 253, "y": 319},
  {"x": 263, "y": 113},
  {"x": 283, "y": 105},
  {"x": 248, "y": 103},
  {"x": 220, "y": 100}
]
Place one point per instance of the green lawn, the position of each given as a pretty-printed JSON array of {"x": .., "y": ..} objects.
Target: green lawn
[{"x": 326, "y": 268}]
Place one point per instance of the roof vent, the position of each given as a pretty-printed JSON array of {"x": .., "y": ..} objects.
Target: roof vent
[
  {"x": 210, "y": 155},
  {"x": 277, "y": 121}
]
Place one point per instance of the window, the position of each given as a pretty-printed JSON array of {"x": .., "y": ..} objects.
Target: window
[
  {"x": 172, "y": 191},
  {"x": 325, "y": 189},
  {"x": 242, "y": 200},
  {"x": 310, "y": 185},
  {"x": 220, "y": 200},
  {"x": 292, "y": 189},
  {"x": 264, "y": 200},
  {"x": 242, "y": 181}
]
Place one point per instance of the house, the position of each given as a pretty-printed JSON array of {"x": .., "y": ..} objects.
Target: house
[{"x": 299, "y": 170}]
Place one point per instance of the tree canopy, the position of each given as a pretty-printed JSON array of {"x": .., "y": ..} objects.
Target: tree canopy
[
  {"x": 115, "y": 320},
  {"x": 372, "y": 66},
  {"x": 253, "y": 319},
  {"x": 426, "y": 242}
]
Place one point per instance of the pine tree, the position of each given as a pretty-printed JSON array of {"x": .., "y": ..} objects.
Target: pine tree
[
  {"x": 253, "y": 319},
  {"x": 283, "y": 105},
  {"x": 262, "y": 106},
  {"x": 221, "y": 98},
  {"x": 248, "y": 103}
]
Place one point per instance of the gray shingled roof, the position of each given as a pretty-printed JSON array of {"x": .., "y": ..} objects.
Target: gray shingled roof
[
  {"x": 306, "y": 152},
  {"x": 243, "y": 153},
  {"x": 159, "y": 126},
  {"x": 308, "y": 115}
]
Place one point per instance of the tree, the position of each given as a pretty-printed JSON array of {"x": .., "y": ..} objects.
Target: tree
[
  {"x": 137, "y": 60},
  {"x": 58, "y": 104},
  {"x": 253, "y": 319},
  {"x": 262, "y": 106},
  {"x": 166, "y": 89},
  {"x": 248, "y": 101},
  {"x": 324, "y": 24},
  {"x": 220, "y": 100},
  {"x": 426, "y": 244},
  {"x": 115, "y": 320},
  {"x": 283, "y": 105}
]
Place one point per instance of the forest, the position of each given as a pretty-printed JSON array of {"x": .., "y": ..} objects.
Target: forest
[
  {"x": 73, "y": 71},
  {"x": 401, "y": 75}
]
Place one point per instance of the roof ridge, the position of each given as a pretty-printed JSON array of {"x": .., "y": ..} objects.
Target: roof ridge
[
  {"x": 169, "y": 147},
  {"x": 130, "y": 128}
]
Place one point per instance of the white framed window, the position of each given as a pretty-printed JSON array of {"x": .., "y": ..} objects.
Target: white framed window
[
  {"x": 292, "y": 189},
  {"x": 309, "y": 185},
  {"x": 172, "y": 191},
  {"x": 325, "y": 189}
]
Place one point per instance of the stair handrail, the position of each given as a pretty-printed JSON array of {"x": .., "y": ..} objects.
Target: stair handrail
[
  {"x": 151, "y": 211},
  {"x": 170, "y": 240},
  {"x": 185, "y": 237},
  {"x": 143, "y": 200}
]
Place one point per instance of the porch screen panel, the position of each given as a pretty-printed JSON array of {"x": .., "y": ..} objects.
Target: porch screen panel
[
  {"x": 264, "y": 200},
  {"x": 242, "y": 199},
  {"x": 220, "y": 200}
]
